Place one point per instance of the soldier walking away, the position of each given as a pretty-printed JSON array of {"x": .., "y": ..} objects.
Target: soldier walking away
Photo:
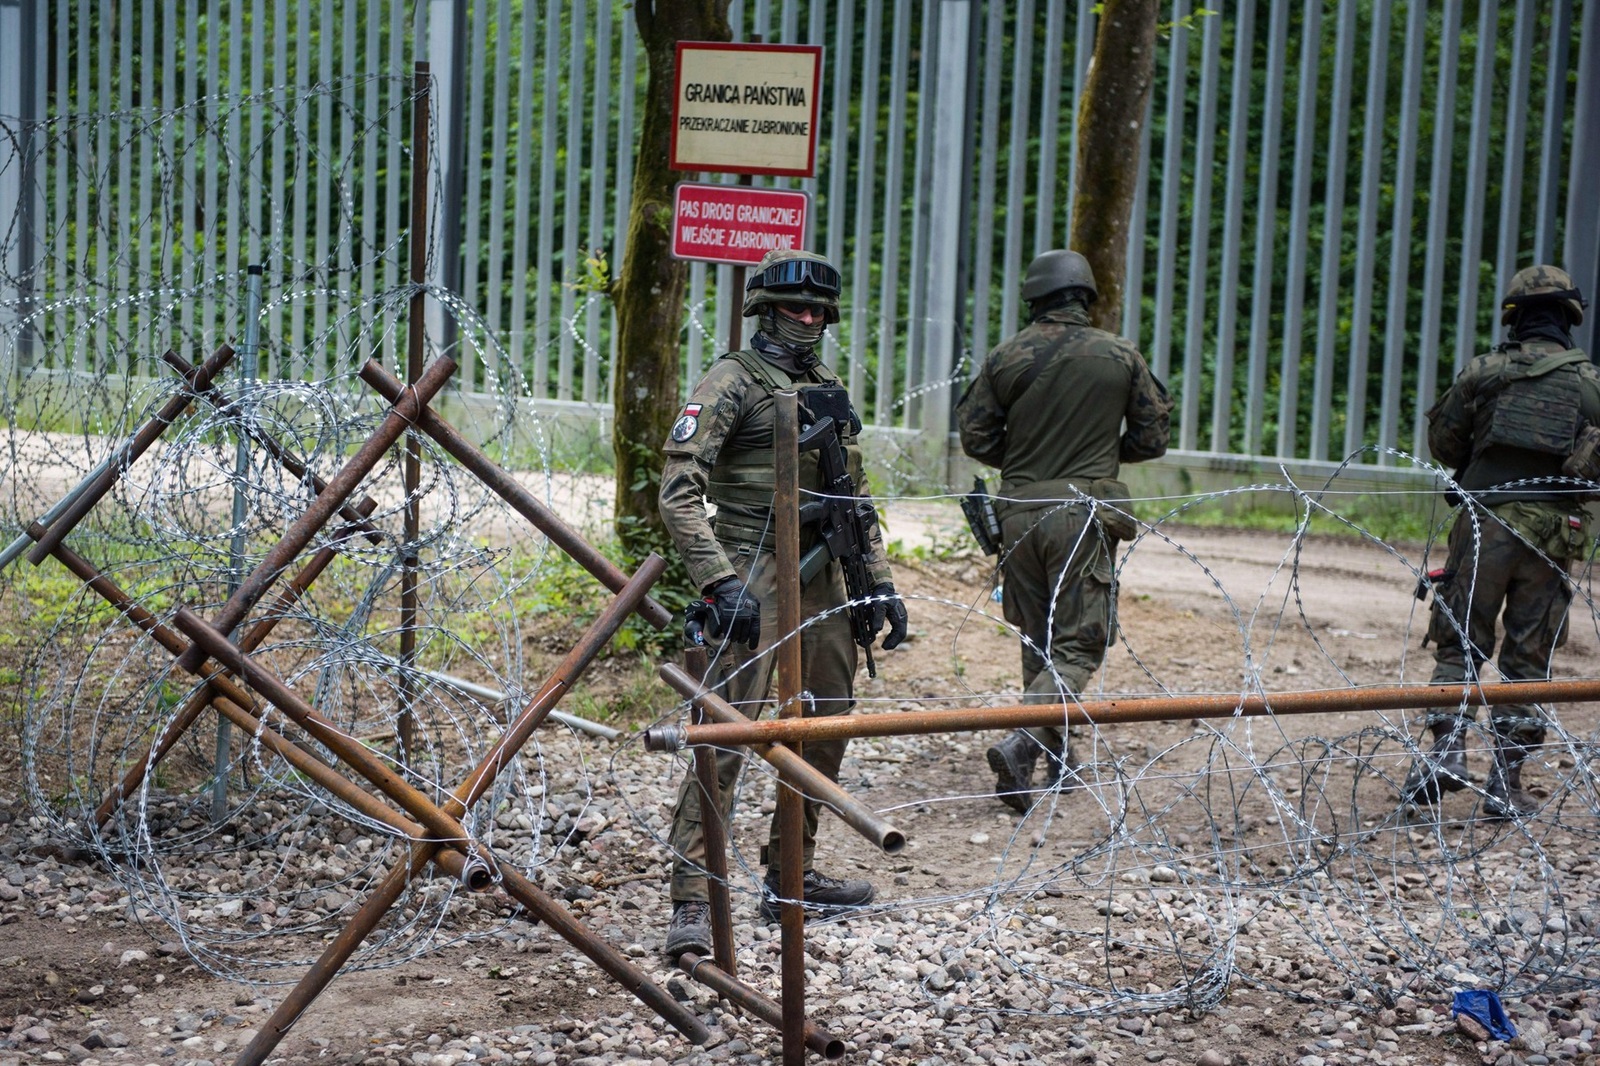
[
  {"x": 721, "y": 451},
  {"x": 1058, "y": 408},
  {"x": 1517, "y": 425}
]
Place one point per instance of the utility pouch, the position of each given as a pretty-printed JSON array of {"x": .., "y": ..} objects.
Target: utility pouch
[
  {"x": 1115, "y": 518},
  {"x": 1584, "y": 462},
  {"x": 978, "y": 506}
]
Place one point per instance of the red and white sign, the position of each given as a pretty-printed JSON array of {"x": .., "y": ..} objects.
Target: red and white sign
[
  {"x": 735, "y": 223},
  {"x": 746, "y": 108}
]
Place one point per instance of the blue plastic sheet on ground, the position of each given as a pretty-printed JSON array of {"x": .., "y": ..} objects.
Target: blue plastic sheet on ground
[{"x": 1484, "y": 1007}]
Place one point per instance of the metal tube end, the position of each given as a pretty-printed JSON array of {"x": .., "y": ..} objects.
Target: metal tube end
[
  {"x": 893, "y": 842},
  {"x": 666, "y": 738},
  {"x": 475, "y": 873}
]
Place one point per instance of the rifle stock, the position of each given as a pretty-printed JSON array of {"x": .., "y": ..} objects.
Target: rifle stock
[{"x": 843, "y": 530}]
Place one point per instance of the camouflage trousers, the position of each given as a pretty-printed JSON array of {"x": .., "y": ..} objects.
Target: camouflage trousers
[
  {"x": 1058, "y": 592},
  {"x": 745, "y": 678},
  {"x": 1512, "y": 563}
]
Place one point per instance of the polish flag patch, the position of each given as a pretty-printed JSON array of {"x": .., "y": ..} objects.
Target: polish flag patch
[{"x": 687, "y": 424}]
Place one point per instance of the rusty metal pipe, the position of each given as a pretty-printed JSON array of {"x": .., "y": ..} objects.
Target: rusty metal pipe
[
  {"x": 729, "y": 732},
  {"x": 815, "y": 784},
  {"x": 749, "y": 1000},
  {"x": 356, "y": 514},
  {"x": 201, "y": 699},
  {"x": 91, "y": 493},
  {"x": 520, "y": 499},
  {"x": 345, "y": 482}
]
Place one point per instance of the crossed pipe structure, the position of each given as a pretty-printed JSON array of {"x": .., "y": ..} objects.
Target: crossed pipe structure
[{"x": 261, "y": 703}]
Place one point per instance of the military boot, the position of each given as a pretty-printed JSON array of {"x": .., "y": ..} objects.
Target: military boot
[
  {"x": 1442, "y": 769},
  {"x": 690, "y": 929},
  {"x": 1503, "y": 796},
  {"x": 824, "y": 895},
  {"x": 1012, "y": 761}
]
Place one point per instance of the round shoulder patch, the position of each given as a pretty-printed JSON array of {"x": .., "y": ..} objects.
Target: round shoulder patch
[{"x": 684, "y": 428}]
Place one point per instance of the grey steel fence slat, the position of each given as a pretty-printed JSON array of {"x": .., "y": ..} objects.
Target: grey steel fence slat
[
  {"x": 1266, "y": 208},
  {"x": 1133, "y": 291},
  {"x": 1474, "y": 203},
  {"x": 1396, "y": 342},
  {"x": 1333, "y": 231},
  {"x": 1294, "y": 290},
  {"x": 572, "y": 218},
  {"x": 1438, "y": 225},
  {"x": 987, "y": 164},
  {"x": 1555, "y": 109},
  {"x": 544, "y": 259},
  {"x": 837, "y": 72},
  {"x": 494, "y": 261},
  {"x": 481, "y": 61},
  {"x": 1200, "y": 234},
  {"x": 523, "y": 206},
  {"x": 1171, "y": 186},
  {"x": 1238, "y": 158},
  {"x": 1509, "y": 254},
  {"x": 123, "y": 362},
  {"x": 866, "y": 170},
  {"x": 1084, "y": 31},
  {"x": 1044, "y": 218},
  {"x": 1367, "y": 228},
  {"x": 599, "y": 164},
  {"x": 889, "y": 287},
  {"x": 1016, "y": 156},
  {"x": 916, "y": 304}
]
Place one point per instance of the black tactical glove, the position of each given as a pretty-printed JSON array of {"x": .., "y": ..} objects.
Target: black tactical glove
[
  {"x": 889, "y": 607},
  {"x": 735, "y": 613}
]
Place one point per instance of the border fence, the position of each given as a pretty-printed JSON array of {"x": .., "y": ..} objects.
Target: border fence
[{"x": 1335, "y": 191}]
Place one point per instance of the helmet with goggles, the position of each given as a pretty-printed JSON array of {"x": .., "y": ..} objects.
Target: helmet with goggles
[
  {"x": 789, "y": 275},
  {"x": 1542, "y": 284}
]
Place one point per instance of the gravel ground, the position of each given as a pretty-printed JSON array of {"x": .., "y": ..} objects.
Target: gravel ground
[{"x": 1245, "y": 894}]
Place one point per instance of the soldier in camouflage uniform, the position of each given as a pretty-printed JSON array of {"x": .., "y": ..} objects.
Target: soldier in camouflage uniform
[
  {"x": 1507, "y": 424},
  {"x": 1048, "y": 408},
  {"x": 721, "y": 451}
]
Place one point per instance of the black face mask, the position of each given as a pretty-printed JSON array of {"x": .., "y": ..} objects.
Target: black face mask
[{"x": 1543, "y": 321}]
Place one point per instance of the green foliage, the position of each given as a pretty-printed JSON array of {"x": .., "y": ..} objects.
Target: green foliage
[{"x": 1393, "y": 519}]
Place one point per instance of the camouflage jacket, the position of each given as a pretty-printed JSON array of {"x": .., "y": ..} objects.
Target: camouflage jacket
[
  {"x": 1048, "y": 407},
  {"x": 730, "y": 415},
  {"x": 1497, "y": 425}
]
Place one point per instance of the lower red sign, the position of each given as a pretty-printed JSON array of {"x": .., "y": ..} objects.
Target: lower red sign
[{"x": 735, "y": 223}]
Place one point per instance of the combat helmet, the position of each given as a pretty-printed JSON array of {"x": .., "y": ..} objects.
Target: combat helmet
[
  {"x": 1058, "y": 269},
  {"x": 1540, "y": 283},
  {"x": 791, "y": 274}
]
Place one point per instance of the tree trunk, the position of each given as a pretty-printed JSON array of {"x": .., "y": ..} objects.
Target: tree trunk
[
  {"x": 1110, "y": 119},
  {"x": 650, "y": 287}
]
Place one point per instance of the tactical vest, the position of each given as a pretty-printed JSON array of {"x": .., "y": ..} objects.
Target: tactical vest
[
  {"x": 1530, "y": 408},
  {"x": 747, "y": 477}
]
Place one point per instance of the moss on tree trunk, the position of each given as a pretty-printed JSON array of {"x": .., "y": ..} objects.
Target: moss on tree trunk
[
  {"x": 650, "y": 286},
  {"x": 1111, "y": 117}
]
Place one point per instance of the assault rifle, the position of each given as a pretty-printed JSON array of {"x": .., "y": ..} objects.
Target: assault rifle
[{"x": 843, "y": 519}]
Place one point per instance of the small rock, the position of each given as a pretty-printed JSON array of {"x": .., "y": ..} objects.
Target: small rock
[
  {"x": 1211, "y": 1057},
  {"x": 1471, "y": 1027}
]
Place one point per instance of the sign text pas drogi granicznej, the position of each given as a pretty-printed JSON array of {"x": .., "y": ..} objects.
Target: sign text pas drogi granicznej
[
  {"x": 746, "y": 108},
  {"x": 735, "y": 223}
]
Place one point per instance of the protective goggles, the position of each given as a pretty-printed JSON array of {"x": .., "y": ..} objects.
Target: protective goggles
[{"x": 797, "y": 274}]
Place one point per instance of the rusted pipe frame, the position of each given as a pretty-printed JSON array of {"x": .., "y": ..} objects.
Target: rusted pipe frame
[
  {"x": 194, "y": 378},
  {"x": 537, "y": 902},
  {"x": 729, "y": 732},
  {"x": 416, "y": 341},
  {"x": 322, "y": 508},
  {"x": 715, "y": 834},
  {"x": 752, "y": 1002},
  {"x": 511, "y": 491},
  {"x": 201, "y": 698},
  {"x": 356, "y": 514},
  {"x": 813, "y": 783},
  {"x": 791, "y": 802}
]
